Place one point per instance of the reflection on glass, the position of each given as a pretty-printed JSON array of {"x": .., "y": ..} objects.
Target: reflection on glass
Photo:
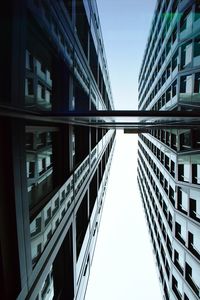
[
  {"x": 47, "y": 290},
  {"x": 38, "y": 84},
  {"x": 39, "y": 164},
  {"x": 45, "y": 223}
]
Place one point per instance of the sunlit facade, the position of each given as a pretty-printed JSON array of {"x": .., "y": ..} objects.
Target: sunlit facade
[
  {"x": 53, "y": 174},
  {"x": 169, "y": 159}
]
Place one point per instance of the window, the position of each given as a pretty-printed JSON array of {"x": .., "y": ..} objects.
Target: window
[
  {"x": 174, "y": 88},
  {"x": 194, "y": 240},
  {"x": 185, "y": 140},
  {"x": 168, "y": 94},
  {"x": 175, "y": 61},
  {"x": 173, "y": 142},
  {"x": 180, "y": 229},
  {"x": 29, "y": 87},
  {"x": 197, "y": 11},
  {"x": 30, "y": 169},
  {"x": 186, "y": 84},
  {"x": 81, "y": 224},
  {"x": 169, "y": 246},
  {"x": 182, "y": 201},
  {"x": 171, "y": 195},
  {"x": 168, "y": 46},
  {"x": 47, "y": 291},
  {"x": 43, "y": 92},
  {"x": 186, "y": 54},
  {"x": 184, "y": 172},
  {"x": 48, "y": 96},
  {"x": 194, "y": 205},
  {"x": 175, "y": 288},
  {"x": 168, "y": 70},
  {"x": 186, "y": 20},
  {"x": 47, "y": 214},
  {"x": 186, "y": 297},
  {"x": 41, "y": 165},
  {"x": 29, "y": 61},
  {"x": 197, "y": 46},
  {"x": 197, "y": 83},
  {"x": 170, "y": 220},
  {"x": 176, "y": 261},
  {"x": 195, "y": 161},
  {"x": 174, "y": 35},
  {"x": 192, "y": 275},
  {"x": 29, "y": 141},
  {"x": 35, "y": 226},
  {"x": 39, "y": 162}
]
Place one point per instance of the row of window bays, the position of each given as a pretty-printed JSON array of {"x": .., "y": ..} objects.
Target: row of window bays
[
  {"x": 63, "y": 266},
  {"x": 87, "y": 13},
  {"x": 56, "y": 152},
  {"x": 185, "y": 60},
  {"x": 39, "y": 94},
  {"x": 52, "y": 195},
  {"x": 162, "y": 239},
  {"x": 184, "y": 266},
  {"x": 175, "y": 140},
  {"x": 84, "y": 235},
  {"x": 156, "y": 241},
  {"x": 176, "y": 30},
  {"x": 48, "y": 87},
  {"x": 184, "y": 199},
  {"x": 158, "y": 27},
  {"x": 166, "y": 250}
]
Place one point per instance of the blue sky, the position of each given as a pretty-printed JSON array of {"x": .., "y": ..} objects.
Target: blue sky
[
  {"x": 125, "y": 26},
  {"x": 123, "y": 266}
]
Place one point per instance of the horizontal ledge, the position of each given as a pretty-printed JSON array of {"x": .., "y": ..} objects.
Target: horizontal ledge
[{"x": 124, "y": 119}]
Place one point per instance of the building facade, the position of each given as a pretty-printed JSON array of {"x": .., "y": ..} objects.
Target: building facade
[
  {"x": 169, "y": 159},
  {"x": 53, "y": 174}
]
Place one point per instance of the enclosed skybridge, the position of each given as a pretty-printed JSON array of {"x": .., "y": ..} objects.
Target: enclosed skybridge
[{"x": 132, "y": 121}]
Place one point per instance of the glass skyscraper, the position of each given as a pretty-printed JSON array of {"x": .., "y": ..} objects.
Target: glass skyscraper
[
  {"x": 53, "y": 173},
  {"x": 169, "y": 158}
]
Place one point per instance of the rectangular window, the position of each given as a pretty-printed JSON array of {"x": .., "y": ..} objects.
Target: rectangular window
[
  {"x": 189, "y": 84},
  {"x": 197, "y": 46},
  {"x": 182, "y": 201},
  {"x": 168, "y": 70},
  {"x": 29, "y": 87},
  {"x": 197, "y": 11},
  {"x": 175, "y": 61},
  {"x": 174, "y": 88},
  {"x": 39, "y": 164},
  {"x": 186, "y": 54},
  {"x": 176, "y": 262},
  {"x": 197, "y": 83},
  {"x": 179, "y": 233},
  {"x": 186, "y": 84},
  {"x": 186, "y": 20},
  {"x": 168, "y": 94},
  {"x": 174, "y": 35},
  {"x": 175, "y": 287},
  {"x": 185, "y": 139},
  {"x": 30, "y": 169},
  {"x": 29, "y": 61}
]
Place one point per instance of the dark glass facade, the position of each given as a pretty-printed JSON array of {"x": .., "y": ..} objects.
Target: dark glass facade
[
  {"x": 169, "y": 159},
  {"x": 53, "y": 174}
]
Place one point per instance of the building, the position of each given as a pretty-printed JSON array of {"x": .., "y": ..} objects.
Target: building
[
  {"x": 53, "y": 174},
  {"x": 169, "y": 159}
]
